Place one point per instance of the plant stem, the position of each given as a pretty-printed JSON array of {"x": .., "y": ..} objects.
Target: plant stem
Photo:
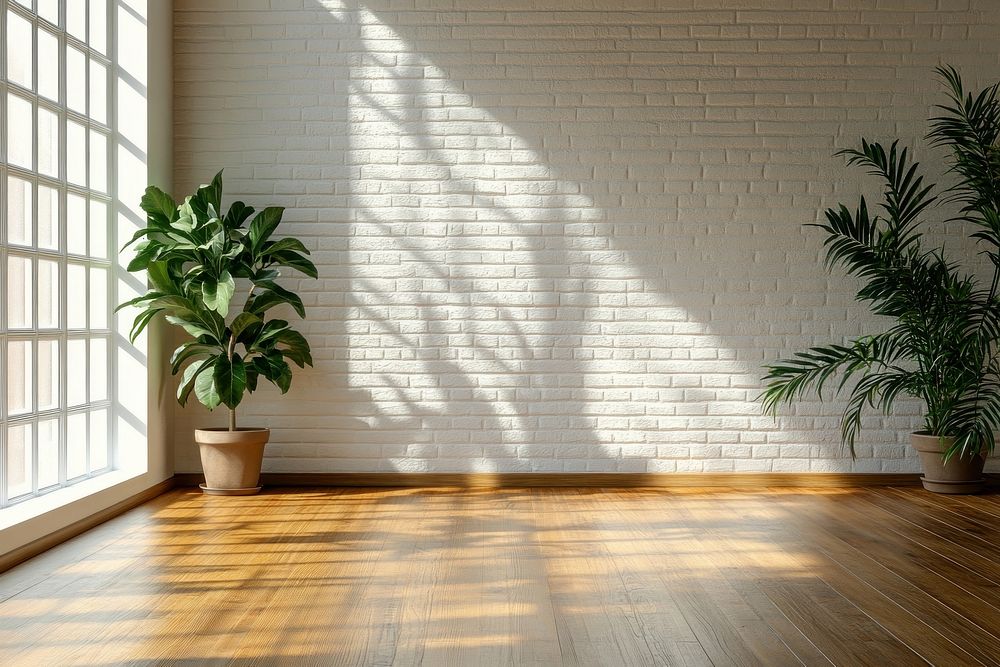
[{"x": 231, "y": 348}]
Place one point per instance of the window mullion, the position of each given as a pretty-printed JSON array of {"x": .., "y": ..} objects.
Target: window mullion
[
  {"x": 63, "y": 274},
  {"x": 39, "y": 369},
  {"x": 3, "y": 260}
]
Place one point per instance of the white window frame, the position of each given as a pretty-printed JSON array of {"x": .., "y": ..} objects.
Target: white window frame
[{"x": 104, "y": 259}]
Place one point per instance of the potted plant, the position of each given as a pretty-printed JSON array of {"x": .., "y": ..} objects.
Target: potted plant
[
  {"x": 196, "y": 257},
  {"x": 941, "y": 346}
]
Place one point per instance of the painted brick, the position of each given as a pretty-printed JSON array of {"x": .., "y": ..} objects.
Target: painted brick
[{"x": 562, "y": 239}]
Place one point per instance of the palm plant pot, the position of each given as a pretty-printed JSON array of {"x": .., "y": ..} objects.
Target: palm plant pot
[
  {"x": 231, "y": 460},
  {"x": 960, "y": 474}
]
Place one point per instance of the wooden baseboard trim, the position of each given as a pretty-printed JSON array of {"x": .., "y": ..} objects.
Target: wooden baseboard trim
[
  {"x": 590, "y": 480},
  {"x": 32, "y": 549}
]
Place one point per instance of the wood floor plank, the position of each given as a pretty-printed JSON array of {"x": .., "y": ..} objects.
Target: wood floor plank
[
  {"x": 843, "y": 632},
  {"x": 900, "y": 606},
  {"x": 912, "y": 524},
  {"x": 518, "y": 577},
  {"x": 979, "y": 528},
  {"x": 964, "y": 590},
  {"x": 727, "y": 626},
  {"x": 607, "y": 617}
]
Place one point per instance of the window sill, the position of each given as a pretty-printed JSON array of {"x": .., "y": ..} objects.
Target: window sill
[{"x": 30, "y": 509}]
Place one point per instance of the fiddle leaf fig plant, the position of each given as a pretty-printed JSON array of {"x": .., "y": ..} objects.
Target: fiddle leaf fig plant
[{"x": 197, "y": 258}]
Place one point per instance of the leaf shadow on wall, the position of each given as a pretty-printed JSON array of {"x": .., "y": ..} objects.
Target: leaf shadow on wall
[
  {"x": 648, "y": 324},
  {"x": 528, "y": 262},
  {"x": 539, "y": 279}
]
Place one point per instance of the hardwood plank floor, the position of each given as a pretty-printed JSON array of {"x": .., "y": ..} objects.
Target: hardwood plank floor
[{"x": 873, "y": 576}]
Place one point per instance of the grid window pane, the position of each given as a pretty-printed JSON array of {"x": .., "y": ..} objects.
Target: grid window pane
[
  {"x": 19, "y": 460},
  {"x": 76, "y": 372},
  {"x": 98, "y": 440},
  {"x": 56, "y": 242},
  {"x": 76, "y": 153},
  {"x": 76, "y": 19},
  {"x": 19, "y": 293},
  {"x": 48, "y": 294},
  {"x": 48, "y": 142},
  {"x": 98, "y": 367},
  {"x": 48, "y": 453},
  {"x": 48, "y": 10},
  {"x": 48, "y": 374},
  {"x": 76, "y": 224},
  {"x": 98, "y": 229},
  {"x": 99, "y": 25},
  {"x": 98, "y": 92},
  {"x": 19, "y": 205},
  {"x": 76, "y": 296},
  {"x": 20, "y": 127},
  {"x": 76, "y": 445},
  {"x": 98, "y": 298},
  {"x": 19, "y": 377},
  {"x": 18, "y": 50},
  {"x": 76, "y": 79},
  {"x": 48, "y": 218},
  {"x": 48, "y": 65},
  {"x": 98, "y": 161}
]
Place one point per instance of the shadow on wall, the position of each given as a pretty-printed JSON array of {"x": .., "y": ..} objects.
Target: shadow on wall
[{"x": 563, "y": 241}]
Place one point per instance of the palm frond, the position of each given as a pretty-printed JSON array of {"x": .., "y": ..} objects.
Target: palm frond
[
  {"x": 789, "y": 379},
  {"x": 943, "y": 346}
]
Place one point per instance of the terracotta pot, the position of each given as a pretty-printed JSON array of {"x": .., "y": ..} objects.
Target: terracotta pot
[
  {"x": 231, "y": 459},
  {"x": 958, "y": 475}
]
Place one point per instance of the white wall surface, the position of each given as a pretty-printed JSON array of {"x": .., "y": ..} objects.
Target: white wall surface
[{"x": 560, "y": 235}]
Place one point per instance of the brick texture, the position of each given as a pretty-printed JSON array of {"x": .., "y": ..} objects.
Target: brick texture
[{"x": 554, "y": 236}]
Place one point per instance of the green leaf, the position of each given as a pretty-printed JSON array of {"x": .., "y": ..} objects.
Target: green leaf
[
  {"x": 159, "y": 206},
  {"x": 207, "y": 201},
  {"x": 140, "y": 323},
  {"x": 237, "y": 215},
  {"x": 298, "y": 347},
  {"x": 271, "y": 330},
  {"x": 282, "y": 379},
  {"x": 148, "y": 296},
  {"x": 159, "y": 277},
  {"x": 205, "y": 387},
  {"x": 285, "y": 244},
  {"x": 294, "y": 260},
  {"x": 241, "y": 322},
  {"x": 143, "y": 257},
  {"x": 184, "y": 223},
  {"x": 263, "y": 225},
  {"x": 190, "y": 350},
  {"x": 252, "y": 375},
  {"x": 274, "y": 368},
  {"x": 187, "y": 383},
  {"x": 230, "y": 380},
  {"x": 217, "y": 295},
  {"x": 195, "y": 329},
  {"x": 217, "y": 244},
  {"x": 213, "y": 193},
  {"x": 180, "y": 306},
  {"x": 275, "y": 294},
  {"x": 145, "y": 231}
]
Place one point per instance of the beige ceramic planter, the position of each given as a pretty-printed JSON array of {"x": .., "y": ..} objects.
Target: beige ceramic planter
[
  {"x": 231, "y": 459},
  {"x": 959, "y": 475}
]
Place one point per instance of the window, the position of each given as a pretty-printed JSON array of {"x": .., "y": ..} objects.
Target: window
[{"x": 56, "y": 245}]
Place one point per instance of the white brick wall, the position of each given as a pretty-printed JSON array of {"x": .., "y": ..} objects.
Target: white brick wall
[{"x": 553, "y": 237}]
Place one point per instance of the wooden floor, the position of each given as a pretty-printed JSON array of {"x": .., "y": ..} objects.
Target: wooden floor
[{"x": 519, "y": 577}]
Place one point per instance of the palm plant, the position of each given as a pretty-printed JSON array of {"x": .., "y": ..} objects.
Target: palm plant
[
  {"x": 194, "y": 255},
  {"x": 942, "y": 346}
]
